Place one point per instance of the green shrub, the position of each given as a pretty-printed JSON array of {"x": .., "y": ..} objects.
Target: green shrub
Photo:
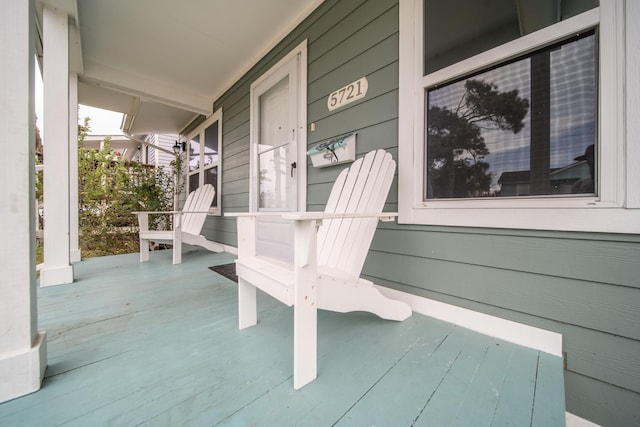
[{"x": 110, "y": 189}]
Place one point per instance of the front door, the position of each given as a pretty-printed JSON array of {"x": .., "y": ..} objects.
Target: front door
[{"x": 278, "y": 150}]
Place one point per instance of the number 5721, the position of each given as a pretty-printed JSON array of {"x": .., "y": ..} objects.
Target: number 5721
[{"x": 350, "y": 93}]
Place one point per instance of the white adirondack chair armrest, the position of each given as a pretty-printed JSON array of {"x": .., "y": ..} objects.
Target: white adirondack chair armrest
[
  {"x": 305, "y": 216},
  {"x": 318, "y": 216},
  {"x": 143, "y": 218},
  {"x": 302, "y": 217},
  {"x": 168, "y": 212},
  {"x": 156, "y": 212},
  {"x": 253, "y": 214}
]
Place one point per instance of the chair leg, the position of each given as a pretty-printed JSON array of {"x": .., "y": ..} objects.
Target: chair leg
[
  {"x": 177, "y": 248},
  {"x": 144, "y": 250},
  {"x": 305, "y": 343},
  {"x": 305, "y": 309},
  {"x": 247, "y": 307}
]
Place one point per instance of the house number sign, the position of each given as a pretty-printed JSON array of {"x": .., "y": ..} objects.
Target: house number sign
[{"x": 348, "y": 94}]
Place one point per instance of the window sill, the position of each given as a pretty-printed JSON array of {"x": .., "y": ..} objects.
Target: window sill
[{"x": 596, "y": 217}]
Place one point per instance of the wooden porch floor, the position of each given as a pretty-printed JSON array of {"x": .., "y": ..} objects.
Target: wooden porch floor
[{"x": 155, "y": 344}]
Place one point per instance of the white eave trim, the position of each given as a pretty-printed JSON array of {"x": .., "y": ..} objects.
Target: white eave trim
[{"x": 142, "y": 87}]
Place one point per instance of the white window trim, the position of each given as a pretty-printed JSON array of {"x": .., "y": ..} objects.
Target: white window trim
[
  {"x": 611, "y": 211},
  {"x": 216, "y": 116}
]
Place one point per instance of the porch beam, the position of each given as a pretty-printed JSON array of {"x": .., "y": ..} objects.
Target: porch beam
[
  {"x": 128, "y": 83},
  {"x": 23, "y": 352},
  {"x": 57, "y": 268}
]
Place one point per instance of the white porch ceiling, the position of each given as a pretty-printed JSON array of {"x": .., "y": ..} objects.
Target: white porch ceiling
[{"x": 163, "y": 62}]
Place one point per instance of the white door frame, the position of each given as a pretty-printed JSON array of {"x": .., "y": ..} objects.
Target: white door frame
[{"x": 298, "y": 78}]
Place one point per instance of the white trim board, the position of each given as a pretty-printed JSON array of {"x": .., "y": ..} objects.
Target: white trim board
[
  {"x": 575, "y": 421},
  {"x": 517, "y": 333},
  {"x": 507, "y": 330}
]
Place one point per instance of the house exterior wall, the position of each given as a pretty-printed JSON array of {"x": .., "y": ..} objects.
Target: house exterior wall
[
  {"x": 149, "y": 153},
  {"x": 161, "y": 158},
  {"x": 582, "y": 285}
]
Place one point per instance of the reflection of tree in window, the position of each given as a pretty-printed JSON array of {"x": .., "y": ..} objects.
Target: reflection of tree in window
[
  {"x": 518, "y": 129},
  {"x": 456, "y": 147}
]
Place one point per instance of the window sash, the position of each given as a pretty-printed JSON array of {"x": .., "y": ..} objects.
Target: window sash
[{"x": 497, "y": 150}]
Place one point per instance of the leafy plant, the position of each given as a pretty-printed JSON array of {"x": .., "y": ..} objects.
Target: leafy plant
[{"x": 110, "y": 189}]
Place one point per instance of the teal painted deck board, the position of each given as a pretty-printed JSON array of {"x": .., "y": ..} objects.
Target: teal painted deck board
[
  {"x": 156, "y": 344},
  {"x": 449, "y": 402},
  {"x": 545, "y": 410},
  {"x": 517, "y": 392}
]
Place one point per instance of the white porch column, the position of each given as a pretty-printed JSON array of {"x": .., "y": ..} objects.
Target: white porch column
[
  {"x": 57, "y": 268},
  {"x": 74, "y": 238},
  {"x": 23, "y": 352}
]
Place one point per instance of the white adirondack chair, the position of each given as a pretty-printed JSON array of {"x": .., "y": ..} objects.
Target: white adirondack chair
[
  {"x": 329, "y": 251},
  {"x": 187, "y": 225}
]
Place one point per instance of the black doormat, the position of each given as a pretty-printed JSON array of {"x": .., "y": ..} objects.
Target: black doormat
[{"x": 226, "y": 270}]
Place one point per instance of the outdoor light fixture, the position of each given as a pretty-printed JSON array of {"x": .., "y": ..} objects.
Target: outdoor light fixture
[{"x": 177, "y": 147}]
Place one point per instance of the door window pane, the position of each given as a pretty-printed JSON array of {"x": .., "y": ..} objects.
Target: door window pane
[
  {"x": 523, "y": 128},
  {"x": 274, "y": 116},
  {"x": 273, "y": 167}
]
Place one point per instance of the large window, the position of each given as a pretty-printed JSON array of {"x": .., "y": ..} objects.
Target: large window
[
  {"x": 511, "y": 114},
  {"x": 204, "y": 147}
]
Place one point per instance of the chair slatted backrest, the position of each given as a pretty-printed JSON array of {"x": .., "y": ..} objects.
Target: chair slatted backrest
[
  {"x": 362, "y": 188},
  {"x": 198, "y": 201}
]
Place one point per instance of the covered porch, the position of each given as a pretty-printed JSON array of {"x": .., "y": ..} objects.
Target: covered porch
[{"x": 158, "y": 344}]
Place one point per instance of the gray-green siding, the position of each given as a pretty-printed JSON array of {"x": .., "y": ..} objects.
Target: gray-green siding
[{"x": 585, "y": 286}]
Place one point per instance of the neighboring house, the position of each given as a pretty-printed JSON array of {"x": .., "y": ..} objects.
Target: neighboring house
[
  {"x": 394, "y": 72},
  {"x": 126, "y": 148},
  {"x": 561, "y": 181},
  {"x": 130, "y": 149},
  {"x": 158, "y": 158}
]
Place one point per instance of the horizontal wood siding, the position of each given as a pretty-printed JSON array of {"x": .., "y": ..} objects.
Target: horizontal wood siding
[
  {"x": 162, "y": 158},
  {"x": 585, "y": 286}
]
